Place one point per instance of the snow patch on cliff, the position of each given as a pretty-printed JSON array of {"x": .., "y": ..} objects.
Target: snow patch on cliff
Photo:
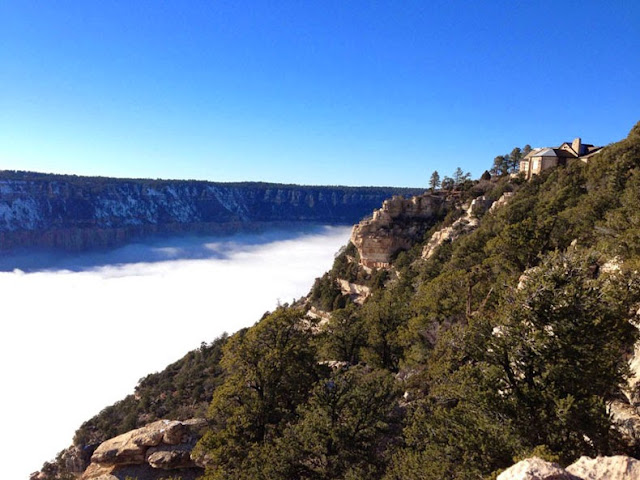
[
  {"x": 231, "y": 200},
  {"x": 136, "y": 207},
  {"x": 20, "y": 214}
]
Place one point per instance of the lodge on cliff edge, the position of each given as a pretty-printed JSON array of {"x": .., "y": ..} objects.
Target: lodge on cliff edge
[{"x": 540, "y": 159}]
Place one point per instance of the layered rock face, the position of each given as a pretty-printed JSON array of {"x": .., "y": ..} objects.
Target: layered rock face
[
  {"x": 618, "y": 467},
  {"x": 76, "y": 213},
  {"x": 158, "y": 450},
  {"x": 398, "y": 225},
  {"x": 401, "y": 223}
]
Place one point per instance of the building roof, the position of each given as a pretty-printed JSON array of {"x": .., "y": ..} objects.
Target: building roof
[
  {"x": 565, "y": 150},
  {"x": 592, "y": 151},
  {"x": 545, "y": 152},
  {"x": 561, "y": 152},
  {"x": 532, "y": 153}
]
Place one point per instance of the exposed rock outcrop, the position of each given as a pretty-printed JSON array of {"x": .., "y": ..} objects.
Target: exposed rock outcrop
[
  {"x": 467, "y": 222},
  {"x": 158, "y": 449},
  {"x": 633, "y": 383},
  {"x": 398, "y": 225},
  {"x": 618, "y": 467},
  {"x": 626, "y": 420},
  {"x": 536, "y": 469},
  {"x": 625, "y": 411},
  {"x": 71, "y": 461},
  {"x": 320, "y": 315},
  {"x": 503, "y": 200},
  {"x": 358, "y": 293},
  {"x": 77, "y": 213}
]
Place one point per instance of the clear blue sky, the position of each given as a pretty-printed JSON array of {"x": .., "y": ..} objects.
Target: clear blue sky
[{"x": 315, "y": 92}]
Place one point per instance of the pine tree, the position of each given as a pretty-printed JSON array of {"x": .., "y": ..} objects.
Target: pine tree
[{"x": 434, "y": 181}]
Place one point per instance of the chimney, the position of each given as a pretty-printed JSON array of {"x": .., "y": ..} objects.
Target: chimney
[{"x": 577, "y": 145}]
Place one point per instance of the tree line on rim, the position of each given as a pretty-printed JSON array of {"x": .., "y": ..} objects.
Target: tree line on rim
[{"x": 502, "y": 165}]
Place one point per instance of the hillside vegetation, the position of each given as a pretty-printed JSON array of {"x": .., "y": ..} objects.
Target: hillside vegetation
[{"x": 508, "y": 341}]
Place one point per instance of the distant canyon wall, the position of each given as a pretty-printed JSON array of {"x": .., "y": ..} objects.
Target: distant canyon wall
[{"x": 79, "y": 213}]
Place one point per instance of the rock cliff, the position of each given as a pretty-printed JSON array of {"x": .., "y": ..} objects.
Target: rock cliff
[
  {"x": 402, "y": 223},
  {"x": 76, "y": 213},
  {"x": 397, "y": 226}
]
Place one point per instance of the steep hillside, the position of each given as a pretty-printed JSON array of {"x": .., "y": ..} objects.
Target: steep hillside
[
  {"x": 471, "y": 336},
  {"x": 76, "y": 213}
]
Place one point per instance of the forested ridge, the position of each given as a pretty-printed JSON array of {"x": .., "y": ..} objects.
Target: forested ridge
[{"x": 508, "y": 341}]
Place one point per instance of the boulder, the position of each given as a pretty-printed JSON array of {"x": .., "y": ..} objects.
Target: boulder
[
  {"x": 618, "y": 467},
  {"x": 99, "y": 472},
  {"x": 170, "y": 457},
  {"x": 129, "y": 447},
  {"x": 536, "y": 469},
  {"x": 173, "y": 433}
]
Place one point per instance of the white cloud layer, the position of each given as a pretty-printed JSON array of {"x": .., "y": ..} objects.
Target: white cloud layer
[{"x": 78, "y": 333}]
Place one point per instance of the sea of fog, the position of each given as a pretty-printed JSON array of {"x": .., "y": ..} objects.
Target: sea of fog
[{"x": 79, "y": 331}]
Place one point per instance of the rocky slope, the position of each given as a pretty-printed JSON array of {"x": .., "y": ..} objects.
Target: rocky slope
[{"x": 76, "y": 213}]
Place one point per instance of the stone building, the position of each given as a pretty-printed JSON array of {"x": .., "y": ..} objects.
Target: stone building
[{"x": 540, "y": 159}]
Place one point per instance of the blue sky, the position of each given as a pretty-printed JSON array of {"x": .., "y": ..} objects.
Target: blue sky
[{"x": 327, "y": 92}]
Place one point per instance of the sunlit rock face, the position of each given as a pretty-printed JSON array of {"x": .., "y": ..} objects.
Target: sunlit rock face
[
  {"x": 536, "y": 469},
  {"x": 77, "y": 213},
  {"x": 397, "y": 226},
  {"x": 618, "y": 467},
  {"x": 358, "y": 293},
  {"x": 157, "y": 450}
]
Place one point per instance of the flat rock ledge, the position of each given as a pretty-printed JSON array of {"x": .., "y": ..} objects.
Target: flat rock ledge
[
  {"x": 617, "y": 467},
  {"x": 149, "y": 453}
]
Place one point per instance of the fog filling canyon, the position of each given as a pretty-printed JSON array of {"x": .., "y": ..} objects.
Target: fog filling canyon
[{"x": 80, "y": 331}]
